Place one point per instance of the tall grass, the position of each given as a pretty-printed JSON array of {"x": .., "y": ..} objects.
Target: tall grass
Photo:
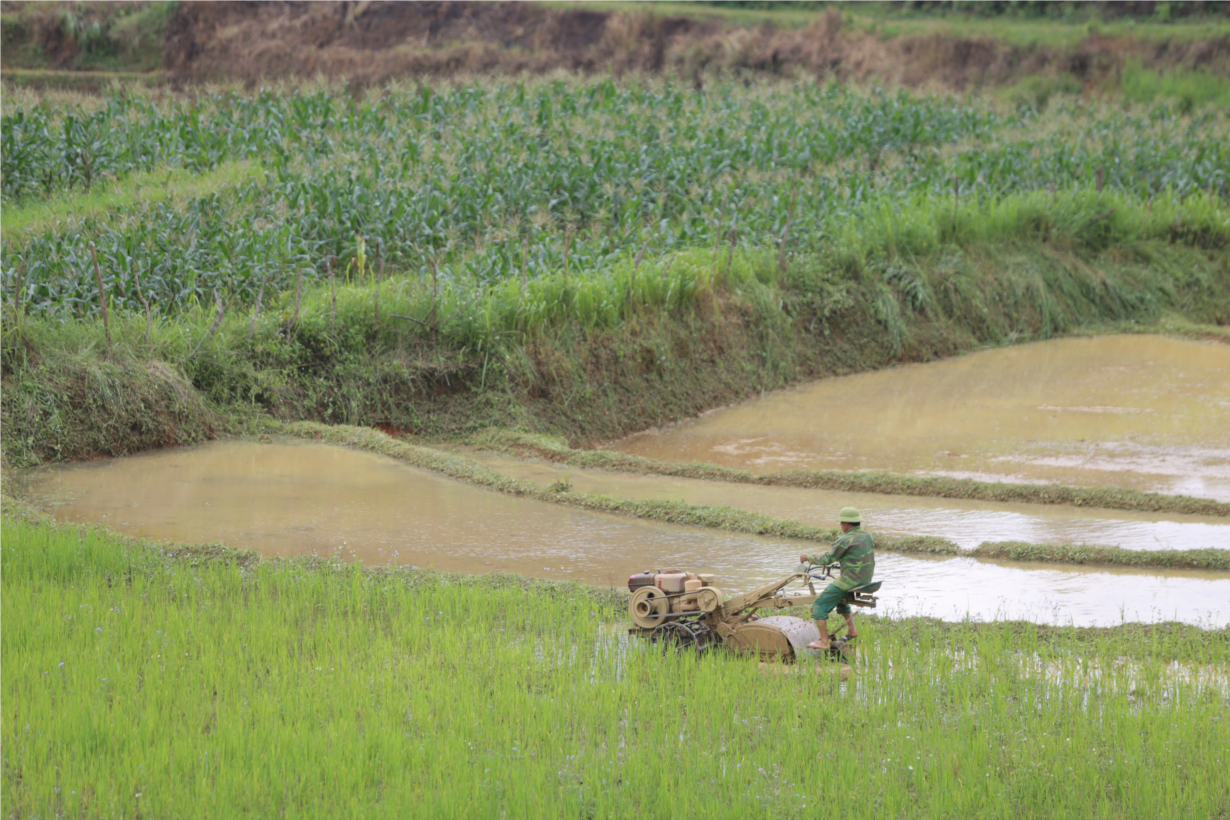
[
  {"x": 137, "y": 684},
  {"x": 1188, "y": 89}
]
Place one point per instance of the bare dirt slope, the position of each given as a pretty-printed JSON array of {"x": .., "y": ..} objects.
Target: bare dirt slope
[{"x": 372, "y": 42}]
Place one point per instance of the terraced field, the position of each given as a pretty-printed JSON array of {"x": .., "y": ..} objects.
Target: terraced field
[{"x": 499, "y": 274}]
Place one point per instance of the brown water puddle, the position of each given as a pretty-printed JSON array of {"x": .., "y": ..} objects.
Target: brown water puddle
[
  {"x": 1139, "y": 412},
  {"x": 310, "y": 499},
  {"x": 968, "y": 523}
]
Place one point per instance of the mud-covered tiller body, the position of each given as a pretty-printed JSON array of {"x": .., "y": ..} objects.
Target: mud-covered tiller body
[{"x": 685, "y": 609}]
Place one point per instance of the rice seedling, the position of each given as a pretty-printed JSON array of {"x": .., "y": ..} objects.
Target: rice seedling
[{"x": 140, "y": 680}]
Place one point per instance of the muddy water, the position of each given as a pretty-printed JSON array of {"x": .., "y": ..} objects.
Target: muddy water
[
  {"x": 1139, "y": 412},
  {"x": 304, "y": 499},
  {"x": 968, "y": 523}
]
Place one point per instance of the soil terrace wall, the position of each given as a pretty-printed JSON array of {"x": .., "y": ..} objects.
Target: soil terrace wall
[{"x": 371, "y": 43}]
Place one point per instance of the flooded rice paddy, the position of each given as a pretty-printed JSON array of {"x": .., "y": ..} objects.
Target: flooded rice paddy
[
  {"x": 1138, "y": 412},
  {"x": 967, "y": 523},
  {"x": 291, "y": 499}
]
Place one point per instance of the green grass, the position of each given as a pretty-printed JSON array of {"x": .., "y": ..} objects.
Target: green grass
[
  {"x": 96, "y": 81},
  {"x": 1052, "y": 33},
  {"x": 781, "y": 17},
  {"x": 892, "y": 21},
  {"x": 1190, "y": 90},
  {"x": 175, "y": 186},
  {"x": 137, "y": 683},
  {"x": 1218, "y": 559}
]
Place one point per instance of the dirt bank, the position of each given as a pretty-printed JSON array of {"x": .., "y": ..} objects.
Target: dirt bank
[{"x": 371, "y": 43}]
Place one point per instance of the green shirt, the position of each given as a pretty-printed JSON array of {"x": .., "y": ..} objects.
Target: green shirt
[{"x": 857, "y": 555}]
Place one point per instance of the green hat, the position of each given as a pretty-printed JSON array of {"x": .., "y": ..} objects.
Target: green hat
[{"x": 849, "y": 515}]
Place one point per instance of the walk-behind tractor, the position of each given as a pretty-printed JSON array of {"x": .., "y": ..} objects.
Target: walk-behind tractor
[{"x": 686, "y": 610}]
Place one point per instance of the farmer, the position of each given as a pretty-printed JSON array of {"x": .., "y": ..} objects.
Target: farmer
[{"x": 857, "y": 555}]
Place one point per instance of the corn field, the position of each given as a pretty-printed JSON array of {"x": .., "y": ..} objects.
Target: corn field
[{"x": 484, "y": 184}]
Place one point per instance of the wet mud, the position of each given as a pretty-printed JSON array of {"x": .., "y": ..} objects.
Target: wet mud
[
  {"x": 1137, "y": 412},
  {"x": 289, "y": 499}
]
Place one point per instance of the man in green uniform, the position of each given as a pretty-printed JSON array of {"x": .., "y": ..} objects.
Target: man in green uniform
[{"x": 856, "y": 552}]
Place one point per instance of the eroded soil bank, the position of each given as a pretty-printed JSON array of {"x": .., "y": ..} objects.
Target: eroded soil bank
[
  {"x": 303, "y": 499},
  {"x": 370, "y": 43}
]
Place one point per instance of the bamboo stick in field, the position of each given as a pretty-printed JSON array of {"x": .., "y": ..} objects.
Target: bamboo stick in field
[
  {"x": 525, "y": 254},
  {"x": 376, "y": 297},
  {"x": 102, "y": 295},
  {"x": 21, "y": 270},
  {"x": 294, "y": 322},
  {"x": 213, "y": 328},
  {"x": 781, "y": 258},
  {"x": 256, "y": 311},
  {"x": 136, "y": 277},
  {"x": 956, "y": 200},
  {"x": 332, "y": 287}
]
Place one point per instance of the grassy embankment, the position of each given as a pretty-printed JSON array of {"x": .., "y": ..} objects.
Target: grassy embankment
[
  {"x": 138, "y": 683},
  {"x": 1109, "y": 498}
]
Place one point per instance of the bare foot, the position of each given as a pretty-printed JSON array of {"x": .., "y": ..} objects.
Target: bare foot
[
  {"x": 820, "y": 644},
  {"x": 851, "y": 634}
]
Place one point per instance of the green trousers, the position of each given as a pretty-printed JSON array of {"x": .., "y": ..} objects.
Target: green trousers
[{"x": 830, "y": 598}]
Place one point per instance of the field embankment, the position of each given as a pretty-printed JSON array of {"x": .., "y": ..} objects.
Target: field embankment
[{"x": 554, "y": 449}]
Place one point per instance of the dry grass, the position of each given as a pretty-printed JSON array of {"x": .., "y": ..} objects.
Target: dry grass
[{"x": 375, "y": 43}]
